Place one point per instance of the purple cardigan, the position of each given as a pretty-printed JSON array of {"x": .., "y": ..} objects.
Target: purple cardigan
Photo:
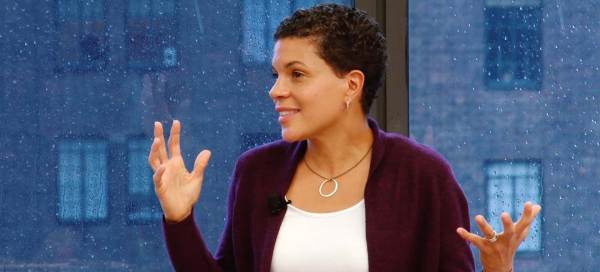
[{"x": 412, "y": 200}]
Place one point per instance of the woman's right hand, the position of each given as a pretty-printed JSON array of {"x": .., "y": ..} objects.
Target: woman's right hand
[{"x": 176, "y": 188}]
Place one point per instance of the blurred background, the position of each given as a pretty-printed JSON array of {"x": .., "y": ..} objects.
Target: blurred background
[{"x": 506, "y": 90}]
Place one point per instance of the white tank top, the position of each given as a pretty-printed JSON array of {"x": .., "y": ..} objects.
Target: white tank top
[{"x": 319, "y": 242}]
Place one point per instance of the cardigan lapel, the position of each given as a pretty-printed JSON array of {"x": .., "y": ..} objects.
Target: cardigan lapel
[
  {"x": 283, "y": 180},
  {"x": 372, "y": 216},
  {"x": 378, "y": 147}
]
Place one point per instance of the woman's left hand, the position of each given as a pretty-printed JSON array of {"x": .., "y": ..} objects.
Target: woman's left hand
[{"x": 497, "y": 250}]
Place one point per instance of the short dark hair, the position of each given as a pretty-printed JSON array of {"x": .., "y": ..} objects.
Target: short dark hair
[{"x": 347, "y": 39}]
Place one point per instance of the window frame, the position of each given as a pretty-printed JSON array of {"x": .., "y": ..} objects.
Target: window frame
[{"x": 390, "y": 108}]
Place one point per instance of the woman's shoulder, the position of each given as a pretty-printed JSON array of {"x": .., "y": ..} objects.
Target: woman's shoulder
[
  {"x": 269, "y": 153},
  {"x": 415, "y": 155},
  {"x": 266, "y": 163}
]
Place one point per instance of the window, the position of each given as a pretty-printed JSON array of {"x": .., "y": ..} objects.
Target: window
[
  {"x": 259, "y": 22},
  {"x": 514, "y": 44},
  {"x": 81, "y": 35},
  {"x": 151, "y": 34},
  {"x": 509, "y": 185},
  {"x": 144, "y": 206},
  {"x": 82, "y": 181}
]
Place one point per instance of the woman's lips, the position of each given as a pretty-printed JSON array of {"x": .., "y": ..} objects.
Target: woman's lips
[{"x": 286, "y": 115}]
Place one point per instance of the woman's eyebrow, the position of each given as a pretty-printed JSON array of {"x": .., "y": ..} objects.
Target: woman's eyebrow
[
  {"x": 290, "y": 64},
  {"x": 294, "y": 62}
]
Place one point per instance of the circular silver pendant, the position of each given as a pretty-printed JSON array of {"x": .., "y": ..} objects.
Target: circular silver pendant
[{"x": 335, "y": 182}]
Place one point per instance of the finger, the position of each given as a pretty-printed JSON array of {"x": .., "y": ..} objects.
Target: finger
[
  {"x": 159, "y": 133},
  {"x": 157, "y": 177},
  {"x": 507, "y": 223},
  {"x": 153, "y": 157},
  {"x": 484, "y": 226},
  {"x": 473, "y": 238},
  {"x": 174, "y": 148},
  {"x": 524, "y": 234},
  {"x": 200, "y": 164},
  {"x": 529, "y": 213}
]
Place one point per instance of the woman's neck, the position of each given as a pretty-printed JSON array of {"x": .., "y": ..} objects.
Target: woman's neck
[{"x": 339, "y": 149}]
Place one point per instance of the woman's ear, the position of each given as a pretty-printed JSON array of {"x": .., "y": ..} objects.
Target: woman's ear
[{"x": 356, "y": 81}]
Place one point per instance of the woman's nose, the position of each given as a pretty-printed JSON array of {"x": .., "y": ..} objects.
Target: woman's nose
[{"x": 278, "y": 90}]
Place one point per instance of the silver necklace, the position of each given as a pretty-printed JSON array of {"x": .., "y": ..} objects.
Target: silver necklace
[{"x": 334, "y": 178}]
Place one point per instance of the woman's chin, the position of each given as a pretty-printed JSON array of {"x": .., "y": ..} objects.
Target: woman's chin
[{"x": 290, "y": 136}]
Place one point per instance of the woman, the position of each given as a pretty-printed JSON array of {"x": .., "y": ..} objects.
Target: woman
[{"x": 337, "y": 193}]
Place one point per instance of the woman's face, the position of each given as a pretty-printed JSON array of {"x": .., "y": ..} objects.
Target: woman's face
[{"x": 307, "y": 93}]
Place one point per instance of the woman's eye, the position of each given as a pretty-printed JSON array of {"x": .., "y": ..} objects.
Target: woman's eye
[
  {"x": 296, "y": 74},
  {"x": 275, "y": 75}
]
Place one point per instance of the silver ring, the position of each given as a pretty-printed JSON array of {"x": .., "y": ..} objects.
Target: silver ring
[{"x": 494, "y": 237}]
